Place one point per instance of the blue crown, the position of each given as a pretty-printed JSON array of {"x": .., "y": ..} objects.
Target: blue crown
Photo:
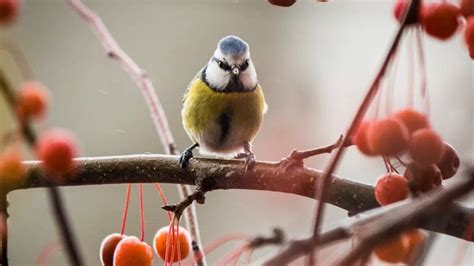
[{"x": 232, "y": 45}]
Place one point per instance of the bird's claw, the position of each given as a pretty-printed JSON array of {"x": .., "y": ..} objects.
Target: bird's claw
[
  {"x": 249, "y": 162},
  {"x": 184, "y": 158}
]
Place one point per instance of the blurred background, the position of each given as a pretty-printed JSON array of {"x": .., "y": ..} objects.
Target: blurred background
[{"x": 315, "y": 61}]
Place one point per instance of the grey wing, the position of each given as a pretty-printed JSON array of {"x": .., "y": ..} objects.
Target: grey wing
[{"x": 198, "y": 75}]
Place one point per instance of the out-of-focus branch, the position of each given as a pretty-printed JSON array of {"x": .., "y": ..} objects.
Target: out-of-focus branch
[
  {"x": 54, "y": 194},
  {"x": 375, "y": 226},
  {"x": 228, "y": 174},
  {"x": 157, "y": 113}
]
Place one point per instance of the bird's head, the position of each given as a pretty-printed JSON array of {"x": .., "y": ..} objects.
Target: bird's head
[{"x": 230, "y": 68}]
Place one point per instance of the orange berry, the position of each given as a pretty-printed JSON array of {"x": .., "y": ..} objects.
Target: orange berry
[
  {"x": 412, "y": 119},
  {"x": 440, "y": 20},
  {"x": 9, "y": 10},
  {"x": 393, "y": 250},
  {"x": 467, "y": 8},
  {"x": 32, "y": 100},
  {"x": 425, "y": 178},
  {"x": 283, "y": 3},
  {"x": 400, "y": 8},
  {"x": 360, "y": 139},
  {"x": 426, "y": 147},
  {"x": 12, "y": 169},
  {"x": 133, "y": 252},
  {"x": 107, "y": 248},
  {"x": 161, "y": 237},
  {"x": 57, "y": 149},
  {"x": 449, "y": 163},
  {"x": 391, "y": 188},
  {"x": 387, "y": 137},
  {"x": 413, "y": 240}
]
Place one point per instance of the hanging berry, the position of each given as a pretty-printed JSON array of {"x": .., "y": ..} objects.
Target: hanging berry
[
  {"x": 108, "y": 247},
  {"x": 393, "y": 250},
  {"x": 360, "y": 139},
  {"x": 391, "y": 188},
  {"x": 449, "y": 163},
  {"x": 440, "y": 20},
  {"x": 12, "y": 170},
  {"x": 9, "y": 10},
  {"x": 161, "y": 238},
  {"x": 425, "y": 178},
  {"x": 283, "y": 3},
  {"x": 132, "y": 251},
  {"x": 387, "y": 137},
  {"x": 426, "y": 147},
  {"x": 412, "y": 119},
  {"x": 467, "y": 8}
]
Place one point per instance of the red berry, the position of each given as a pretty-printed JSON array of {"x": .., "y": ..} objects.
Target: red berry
[
  {"x": 32, "y": 100},
  {"x": 412, "y": 119},
  {"x": 449, "y": 163},
  {"x": 107, "y": 248},
  {"x": 425, "y": 178},
  {"x": 469, "y": 35},
  {"x": 284, "y": 3},
  {"x": 392, "y": 250},
  {"x": 9, "y": 10},
  {"x": 360, "y": 139},
  {"x": 12, "y": 170},
  {"x": 426, "y": 147},
  {"x": 413, "y": 240},
  {"x": 440, "y": 20},
  {"x": 161, "y": 237},
  {"x": 467, "y": 8},
  {"x": 400, "y": 8},
  {"x": 132, "y": 251},
  {"x": 387, "y": 137},
  {"x": 57, "y": 149},
  {"x": 391, "y": 188}
]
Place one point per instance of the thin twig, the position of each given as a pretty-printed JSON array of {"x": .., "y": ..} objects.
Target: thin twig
[
  {"x": 114, "y": 51},
  {"x": 410, "y": 17},
  {"x": 301, "y": 155},
  {"x": 227, "y": 174}
]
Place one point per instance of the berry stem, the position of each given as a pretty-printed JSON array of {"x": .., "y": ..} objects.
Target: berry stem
[
  {"x": 142, "y": 213},
  {"x": 421, "y": 56},
  {"x": 125, "y": 209},
  {"x": 410, "y": 68},
  {"x": 163, "y": 198}
]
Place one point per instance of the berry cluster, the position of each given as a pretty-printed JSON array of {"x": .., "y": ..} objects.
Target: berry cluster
[
  {"x": 442, "y": 20},
  {"x": 55, "y": 149},
  {"x": 120, "y": 250}
]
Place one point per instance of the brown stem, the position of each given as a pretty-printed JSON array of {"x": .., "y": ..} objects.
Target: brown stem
[
  {"x": 301, "y": 155},
  {"x": 352, "y": 196}
]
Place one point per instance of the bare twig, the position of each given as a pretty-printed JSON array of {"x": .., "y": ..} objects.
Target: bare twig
[
  {"x": 114, "y": 51},
  {"x": 301, "y": 155},
  {"x": 54, "y": 193},
  {"x": 377, "y": 225},
  {"x": 410, "y": 17},
  {"x": 227, "y": 174}
]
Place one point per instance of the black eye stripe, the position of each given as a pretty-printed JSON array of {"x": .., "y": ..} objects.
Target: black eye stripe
[
  {"x": 222, "y": 65},
  {"x": 244, "y": 65}
]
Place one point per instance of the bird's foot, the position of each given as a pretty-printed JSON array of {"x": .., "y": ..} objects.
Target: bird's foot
[
  {"x": 185, "y": 157},
  {"x": 249, "y": 162}
]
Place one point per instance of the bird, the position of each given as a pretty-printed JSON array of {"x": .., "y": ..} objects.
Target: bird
[{"x": 224, "y": 105}]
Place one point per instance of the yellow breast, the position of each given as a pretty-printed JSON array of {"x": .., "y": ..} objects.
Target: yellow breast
[{"x": 203, "y": 107}]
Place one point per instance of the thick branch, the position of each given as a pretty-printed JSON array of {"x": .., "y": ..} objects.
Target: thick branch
[{"x": 228, "y": 174}]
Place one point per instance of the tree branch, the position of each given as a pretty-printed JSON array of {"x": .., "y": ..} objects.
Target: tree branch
[{"x": 349, "y": 195}]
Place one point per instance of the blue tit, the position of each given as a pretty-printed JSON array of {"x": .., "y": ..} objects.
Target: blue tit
[{"x": 223, "y": 106}]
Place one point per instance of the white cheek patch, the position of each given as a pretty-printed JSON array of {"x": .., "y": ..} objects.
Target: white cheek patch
[{"x": 216, "y": 77}]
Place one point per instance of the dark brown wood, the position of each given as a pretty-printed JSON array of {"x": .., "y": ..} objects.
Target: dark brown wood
[{"x": 284, "y": 176}]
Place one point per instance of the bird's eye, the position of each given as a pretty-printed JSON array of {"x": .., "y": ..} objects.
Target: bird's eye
[
  {"x": 244, "y": 65},
  {"x": 222, "y": 65}
]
